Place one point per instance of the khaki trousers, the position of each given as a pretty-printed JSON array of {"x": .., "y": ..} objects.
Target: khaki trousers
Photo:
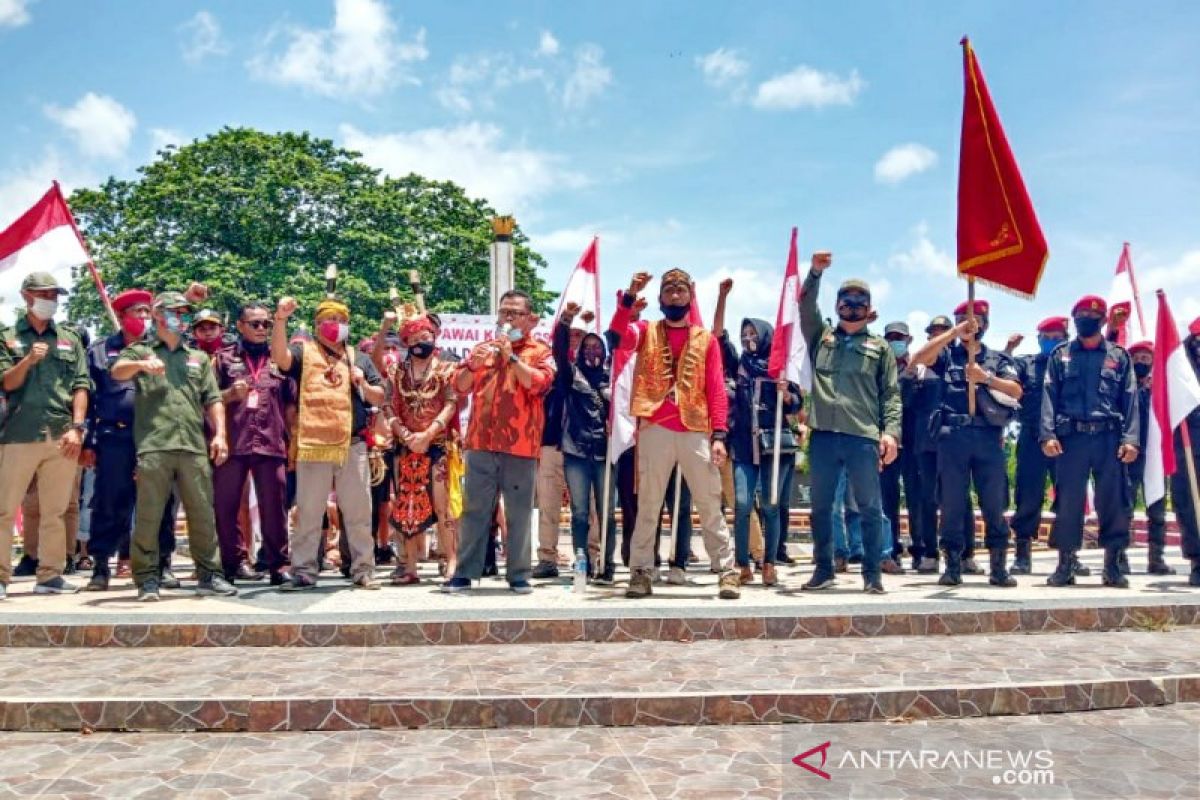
[
  {"x": 20, "y": 464},
  {"x": 31, "y": 512},
  {"x": 352, "y": 482},
  {"x": 659, "y": 450},
  {"x": 551, "y": 483}
]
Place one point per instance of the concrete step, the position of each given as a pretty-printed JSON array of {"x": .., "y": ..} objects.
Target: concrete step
[{"x": 631, "y": 684}]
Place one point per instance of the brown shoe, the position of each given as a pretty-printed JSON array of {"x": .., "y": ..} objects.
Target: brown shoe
[
  {"x": 745, "y": 575},
  {"x": 890, "y": 566},
  {"x": 839, "y": 565},
  {"x": 768, "y": 575},
  {"x": 639, "y": 584},
  {"x": 730, "y": 586}
]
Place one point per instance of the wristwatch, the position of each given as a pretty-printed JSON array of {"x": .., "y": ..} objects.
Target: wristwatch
[
  {"x": 718, "y": 436},
  {"x": 512, "y": 357},
  {"x": 79, "y": 426}
]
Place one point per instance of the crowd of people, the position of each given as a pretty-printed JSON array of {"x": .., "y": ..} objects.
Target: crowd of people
[{"x": 291, "y": 450}]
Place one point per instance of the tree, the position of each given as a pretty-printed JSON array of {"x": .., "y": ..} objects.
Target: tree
[{"x": 256, "y": 216}]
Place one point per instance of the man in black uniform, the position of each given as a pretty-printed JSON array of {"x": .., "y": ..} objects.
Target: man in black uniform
[
  {"x": 905, "y": 467},
  {"x": 1090, "y": 424},
  {"x": 1033, "y": 467},
  {"x": 109, "y": 447},
  {"x": 971, "y": 446},
  {"x": 926, "y": 388},
  {"x": 1142, "y": 354},
  {"x": 1181, "y": 492}
]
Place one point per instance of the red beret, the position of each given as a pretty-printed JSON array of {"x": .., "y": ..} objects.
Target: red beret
[
  {"x": 131, "y": 297},
  {"x": 1090, "y": 303},
  {"x": 414, "y": 326},
  {"x": 1146, "y": 345},
  {"x": 1052, "y": 324},
  {"x": 1194, "y": 328},
  {"x": 981, "y": 308}
]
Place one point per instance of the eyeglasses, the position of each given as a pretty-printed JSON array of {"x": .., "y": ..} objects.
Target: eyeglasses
[
  {"x": 260, "y": 324},
  {"x": 508, "y": 313}
]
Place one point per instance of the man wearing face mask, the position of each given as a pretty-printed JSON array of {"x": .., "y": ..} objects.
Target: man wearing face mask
[
  {"x": 259, "y": 399},
  {"x": 971, "y": 446},
  {"x": 905, "y": 467},
  {"x": 44, "y": 371},
  {"x": 1181, "y": 493},
  {"x": 855, "y": 418},
  {"x": 175, "y": 394},
  {"x": 111, "y": 449},
  {"x": 335, "y": 388},
  {"x": 1142, "y": 354},
  {"x": 1033, "y": 467},
  {"x": 1090, "y": 425},
  {"x": 678, "y": 396},
  {"x": 208, "y": 331},
  {"x": 506, "y": 379}
]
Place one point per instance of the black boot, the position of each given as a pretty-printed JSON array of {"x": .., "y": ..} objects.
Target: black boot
[
  {"x": 1123, "y": 562},
  {"x": 1156, "y": 564},
  {"x": 1000, "y": 576},
  {"x": 953, "y": 574},
  {"x": 1194, "y": 577},
  {"x": 1112, "y": 568},
  {"x": 1081, "y": 569},
  {"x": 1064, "y": 573},
  {"x": 1023, "y": 561}
]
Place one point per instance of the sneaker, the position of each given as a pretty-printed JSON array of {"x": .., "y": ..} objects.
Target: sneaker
[
  {"x": 677, "y": 577},
  {"x": 69, "y": 568},
  {"x": 969, "y": 567},
  {"x": 545, "y": 569},
  {"x": 244, "y": 572},
  {"x": 148, "y": 592},
  {"x": 928, "y": 565},
  {"x": 457, "y": 585},
  {"x": 280, "y": 578},
  {"x": 729, "y": 586},
  {"x": 298, "y": 583},
  {"x": 818, "y": 582},
  {"x": 56, "y": 585},
  {"x": 606, "y": 579},
  {"x": 520, "y": 587},
  {"x": 97, "y": 583},
  {"x": 874, "y": 586},
  {"x": 405, "y": 579},
  {"x": 26, "y": 567},
  {"x": 368, "y": 582},
  {"x": 639, "y": 584},
  {"x": 167, "y": 580},
  {"x": 215, "y": 585},
  {"x": 855, "y": 559}
]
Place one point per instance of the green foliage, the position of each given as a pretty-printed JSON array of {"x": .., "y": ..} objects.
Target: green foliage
[{"x": 257, "y": 216}]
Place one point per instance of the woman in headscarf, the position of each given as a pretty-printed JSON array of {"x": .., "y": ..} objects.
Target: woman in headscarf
[
  {"x": 751, "y": 436},
  {"x": 586, "y": 392}
]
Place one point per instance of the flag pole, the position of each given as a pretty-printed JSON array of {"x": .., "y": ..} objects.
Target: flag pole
[
  {"x": 675, "y": 512},
  {"x": 604, "y": 533},
  {"x": 1190, "y": 458},
  {"x": 775, "y": 455},
  {"x": 95, "y": 273},
  {"x": 972, "y": 346}
]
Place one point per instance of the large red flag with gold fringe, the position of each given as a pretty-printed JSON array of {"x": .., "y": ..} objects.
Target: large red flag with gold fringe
[{"x": 999, "y": 239}]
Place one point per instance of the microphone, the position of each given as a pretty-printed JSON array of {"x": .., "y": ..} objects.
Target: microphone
[{"x": 504, "y": 331}]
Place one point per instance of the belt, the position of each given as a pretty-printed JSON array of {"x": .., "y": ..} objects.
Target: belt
[
  {"x": 966, "y": 421},
  {"x": 1093, "y": 427}
]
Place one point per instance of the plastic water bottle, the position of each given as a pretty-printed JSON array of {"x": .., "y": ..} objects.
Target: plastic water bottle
[{"x": 580, "y": 571}]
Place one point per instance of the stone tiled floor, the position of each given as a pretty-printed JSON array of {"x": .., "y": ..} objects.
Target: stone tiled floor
[
  {"x": 1143, "y": 753},
  {"x": 587, "y": 668}
]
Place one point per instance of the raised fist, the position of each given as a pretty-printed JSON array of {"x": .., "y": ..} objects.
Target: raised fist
[
  {"x": 821, "y": 261},
  {"x": 640, "y": 281},
  {"x": 286, "y": 307},
  {"x": 571, "y": 310},
  {"x": 725, "y": 287},
  {"x": 389, "y": 321}
]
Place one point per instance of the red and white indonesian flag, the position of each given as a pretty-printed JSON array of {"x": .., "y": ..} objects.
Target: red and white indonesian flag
[
  {"x": 43, "y": 239},
  {"x": 583, "y": 287},
  {"x": 1174, "y": 394},
  {"x": 1124, "y": 294},
  {"x": 622, "y": 423},
  {"x": 789, "y": 352}
]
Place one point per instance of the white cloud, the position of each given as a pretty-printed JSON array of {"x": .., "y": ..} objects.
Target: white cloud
[
  {"x": 14, "y": 13},
  {"x": 808, "y": 87},
  {"x": 201, "y": 37},
  {"x": 547, "y": 44},
  {"x": 923, "y": 257},
  {"x": 162, "y": 138},
  {"x": 722, "y": 67},
  {"x": 473, "y": 156},
  {"x": 589, "y": 78},
  {"x": 566, "y": 241},
  {"x": 99, "y": 124},
  {"x": 474, "y": 80},
  {"x": 359, "y": 55},
  {"x": 918, "y": 321},
  {"x": 1179, "y": 279},
  {"x": 904, "y": 161}
]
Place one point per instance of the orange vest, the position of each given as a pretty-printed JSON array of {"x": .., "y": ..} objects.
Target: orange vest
[{"x": 653, "y": 378}]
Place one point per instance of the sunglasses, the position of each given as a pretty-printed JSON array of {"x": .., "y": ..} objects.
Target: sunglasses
[{"x": 260, "y": 324}]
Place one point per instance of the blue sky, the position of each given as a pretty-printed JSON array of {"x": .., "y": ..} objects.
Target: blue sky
[{"x": 683, "y": 133}]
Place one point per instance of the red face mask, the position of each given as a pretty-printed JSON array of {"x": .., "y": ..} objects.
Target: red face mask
[
  {"x": 210, "y": 346},
  {"x": 333, "y": 331},
  {"x": 134, "y": 326}
]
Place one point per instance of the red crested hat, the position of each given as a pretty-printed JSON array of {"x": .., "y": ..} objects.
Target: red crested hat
[
  {"x": 1194, "y": 328},
  {"x": 1052, "y": 324},
  {"x": 1146, "y": 345},
  {"x": 981, "y": 308},
  {"x": 1090, "y": 302},
  {"x": 131, "y": 297},
  {"x": 412, "y": 327}
]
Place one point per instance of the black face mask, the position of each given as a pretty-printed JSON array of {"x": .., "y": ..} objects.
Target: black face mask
[
  {"x": 1087, "y": 327},
  {"x": 256, "y": 348},
  {"x": 673, "y": 313},
  {"x": 852, "y": 308},
  {"x": 1141, "y": 370},
  {"x": 421, "y": 349}
]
